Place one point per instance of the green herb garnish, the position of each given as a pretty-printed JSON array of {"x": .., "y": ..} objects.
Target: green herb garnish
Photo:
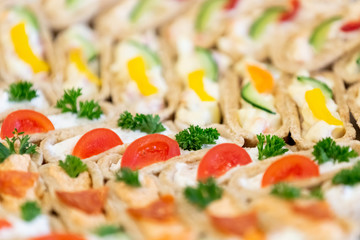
[
  {"x": 286, "y": 191},
  {"x": 317, "y": 193},
  {"x": 327, "y": 150},
  {"x": 194, "y": 137},
  {"x": 348, "y": 176},
  {"x": 25, "y": 147},
  {"x": 73, "y": 166},
  {"x": 204, "y": 193},
  {"x": 274, "y": 146},
  {"x": 143, "y": 122},
  {"x": 128, "y": 176},
  {"x": 69, "y": 103},
  {"x": 30, "y": 210},
  {"x": 21, "y": 91},
  {"x": 106, "y": 230}
]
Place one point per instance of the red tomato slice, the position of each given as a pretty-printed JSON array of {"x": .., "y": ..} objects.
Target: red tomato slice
[
  {"x": 96, "y": 141},
  {"x": 350, "y": 26},
  {"x": 239, "y": 225},
  {"x": 4, "y": 224},
  {"x": 160, "y": 210},
  {"x": 290, "y": 14},
  {"x": 16, "y": 183},
  {"x": 27, "y": 121},
  {"x": 289, "y": 168},
  {"x": 231, "y": 4},
  {"x": 59, "y": 236},
  {"x": 89, "y": 201},
  {"x": 149, "y": 149},
  {"x": 220, "y": 159},
  {"x": 317, "y": 210}
]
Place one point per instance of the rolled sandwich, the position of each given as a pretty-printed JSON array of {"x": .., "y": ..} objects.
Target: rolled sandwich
[
  {"x": 25, "y": 43},
  {"x": 347, "y": 67},
  {"x": 353, "y": 100},
  {"x": 135, "y": 16},
  {"x": 319, "y": 109},
  {"x": 255, "y": 103},
  {"x": 140, "y": 76},
  {"x": 316, "y": 47},
  {"x": 79, "y": 63}
]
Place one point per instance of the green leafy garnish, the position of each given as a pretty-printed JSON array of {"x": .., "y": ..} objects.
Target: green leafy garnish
[
  {"x": 73, "y": 166},
  {"x": 348, "y": 176},
  {"x": 358, "y": 61},
  {"x": 327, "y": 150},
  {"x": 194, "y": 137},
  {"x": 317, "y": 193},
  {"x": 273, "y": 147},
  {"x": 25, "y": 147},
  {"x": 286, "y": 191},
  {"x": 21, "y": 91},
  {"x": 90, "y": 110},
  {"x": 106, "y": 230},
  {"x": 69, "y": 103},
  {"x": 204, "y": 193},
  {"x": 30, "y": 210},
  {"x": 128, "y": 176},
  {"x": 143, "y": 122}
]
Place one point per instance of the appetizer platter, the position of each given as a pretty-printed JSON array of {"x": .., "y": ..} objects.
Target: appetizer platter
[{"x": 179, "y": 120}]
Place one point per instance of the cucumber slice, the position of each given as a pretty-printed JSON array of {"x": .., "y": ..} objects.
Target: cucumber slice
[
  {"x": 139, "y": 9},
  {"x": 151, "y": 58},
  {"x": 258, "y": 27},
  {"x": 358, "y": 61},
  {"x": 27, "y": 15},
  {"x": 320, "y": 33},
  {"x": 316, "y": 84},
  {"x": 71, "y": 3},
  {"x": 205, "y": 13},
  {"x": 89, "y": 49},
  {"x": 250, "y": 95},
  {"x": 209, "y": 63}
]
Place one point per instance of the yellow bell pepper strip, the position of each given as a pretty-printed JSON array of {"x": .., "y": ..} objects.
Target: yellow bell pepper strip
[
  {"x": 22, "y": 48},
  {"x": 137, "y": 72},
  {"x": 196, "y": 83},
  {"x": 317, "y": 104},
  {"x": 75, "y": 57},
  {"x": 261, "y": 78}
]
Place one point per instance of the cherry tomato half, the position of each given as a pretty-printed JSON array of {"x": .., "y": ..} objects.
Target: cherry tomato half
[
  {"x": 220, "y": 159},
  {"x": 288, "y": 168},
  {"x": 96, "y": 141},
  {"x": 27, "y": 121},
  {"x": 350, "y": 26},
  {"x": 231, "y": 4},
  {"x": 149, "y": 149},
  {"x": 59, "y": 236},
  {"x": 290, "y": 14}
]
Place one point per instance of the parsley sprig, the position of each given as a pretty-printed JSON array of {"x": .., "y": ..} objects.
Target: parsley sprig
[
  {"x": 288, "y": 192},
  {"x": 348, "y": 176},
  {"x": 107, "y": 230},
  {"x": 194, "y": 137},
  {"x": 143, "y": 122},
  {"x": 128, "y": 176},
  {"x": 205, "y": 193},
  {"x": 73, "y": 166},
  {"x": 30, "y": 210},
  {"x": 274, "y": 146},
  {"x": 327, "y": 150},
  {"x": 25, "y": 147},
  {"x": 21, "y": 91},
  {"x": 69, "y": 103}
]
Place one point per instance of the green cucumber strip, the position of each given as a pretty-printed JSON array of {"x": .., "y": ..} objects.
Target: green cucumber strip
[
  {"x": 71, "y": 3},
  {"x": 316, "y": 84},
  {"x": 206, "y": 11},
  {"x": 27, "y": 15},
  {"x": 89, "y": 49},
  {"x": 358, "y": 61},
  {"x": 139, "y": 9},
  {"x": 320, "y": 33},
  {"x": 259, "y": 26},
  {"x": 251, "y": 96},
  {"x": 151, "y": 57},
  {"x": 209, "y": 63}
]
